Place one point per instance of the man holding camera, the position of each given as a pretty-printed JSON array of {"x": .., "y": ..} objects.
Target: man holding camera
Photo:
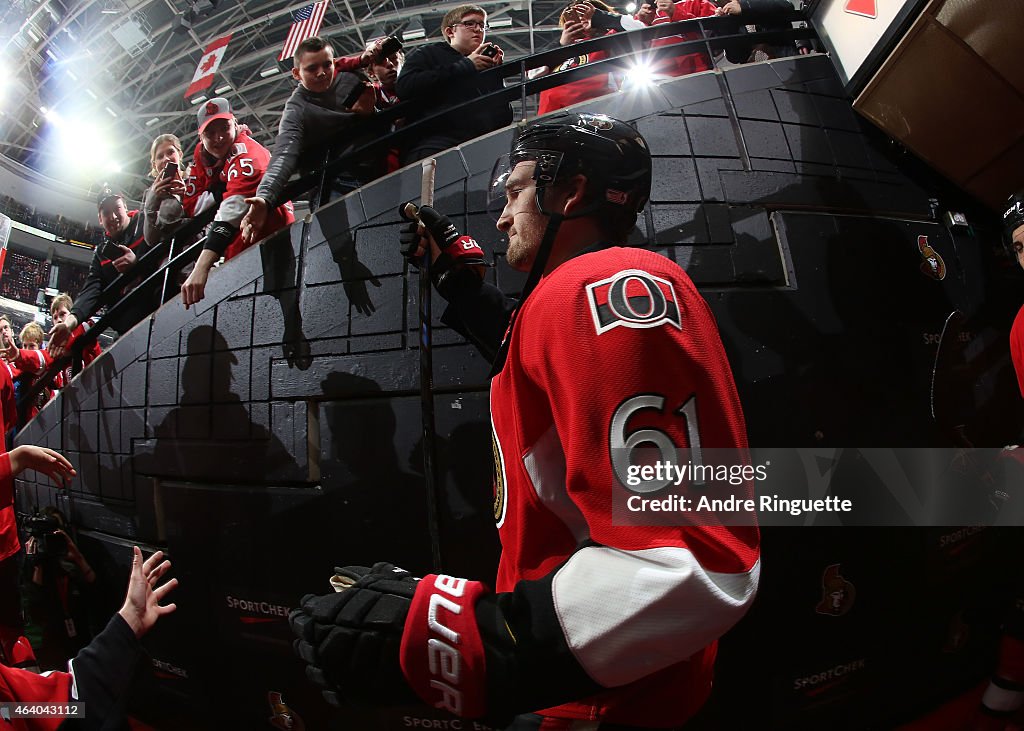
[
  {"x": 123, "y": 245},
  {"x": 329, "y": 99},
  {"x": 447, "y": 74}
]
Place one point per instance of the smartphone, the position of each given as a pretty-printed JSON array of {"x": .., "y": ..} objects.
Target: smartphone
[
  {"x": 390, "y": 45},
  {"x": 490, "y": 50},
  {"x": 111, "y": 251},
  {"x": 170, "y": 169},
  {"x": 353, "y": 96}
]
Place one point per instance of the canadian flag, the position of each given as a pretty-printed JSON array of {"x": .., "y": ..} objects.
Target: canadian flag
[{"x": 208, "y": 65}]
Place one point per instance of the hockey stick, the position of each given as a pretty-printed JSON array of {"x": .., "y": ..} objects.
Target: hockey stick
[
  {"x": 948, "y": 359},
  {"x": 427, "y": 378}
]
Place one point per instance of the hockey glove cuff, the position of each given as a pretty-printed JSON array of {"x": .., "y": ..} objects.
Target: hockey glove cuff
[
  {"x": 459, "y": 252},
  {"x": 442, "y": 651}
]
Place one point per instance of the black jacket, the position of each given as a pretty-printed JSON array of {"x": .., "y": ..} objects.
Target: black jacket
[
  {"x": 102, "y": 273},
  {"x": 309, "y": 120},
  {"x": 438, "y": 76},
  {"x": 765, "y": 15}
]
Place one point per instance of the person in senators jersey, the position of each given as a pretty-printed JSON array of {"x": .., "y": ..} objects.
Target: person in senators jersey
[
  {"x": 593, "y": 624},
  {"x": 226, "y": 168}
]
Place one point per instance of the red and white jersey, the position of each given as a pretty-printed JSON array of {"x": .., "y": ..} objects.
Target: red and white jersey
[
  {"x": 640, "y": 607},
  {"x": 1017, "y": 348},
  {"x": 235, "y": 178}
]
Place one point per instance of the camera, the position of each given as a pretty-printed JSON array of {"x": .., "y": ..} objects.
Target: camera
[
  {"x": 490, "y": 50},
  {"x": 44, "y": 529},
  {"x": 390, "y": 45}
]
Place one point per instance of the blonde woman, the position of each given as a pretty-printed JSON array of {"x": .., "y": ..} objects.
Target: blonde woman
[{"x": 162, "y": 202}]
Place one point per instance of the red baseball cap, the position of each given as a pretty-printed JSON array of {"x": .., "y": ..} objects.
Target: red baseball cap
[{"x": 219, "y": 108}]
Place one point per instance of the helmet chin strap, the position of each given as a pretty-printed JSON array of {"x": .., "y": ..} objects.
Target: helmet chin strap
[{"x": 540, "y": 262}]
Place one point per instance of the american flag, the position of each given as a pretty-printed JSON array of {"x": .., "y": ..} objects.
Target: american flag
[{"x": 306, "y": 23}]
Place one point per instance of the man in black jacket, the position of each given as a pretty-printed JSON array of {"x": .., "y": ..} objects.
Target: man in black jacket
[
  {"x": 123, "y": 245},
  {"x": 325, "y": 104},
  {"x": 447, "y": 74}
]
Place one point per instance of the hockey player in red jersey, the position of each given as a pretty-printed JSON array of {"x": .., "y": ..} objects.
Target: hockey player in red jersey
[
  {"x": 591, "y": 622},
  {"x": 1013, "y": 225},
  {"x": 227, "y": 168}
]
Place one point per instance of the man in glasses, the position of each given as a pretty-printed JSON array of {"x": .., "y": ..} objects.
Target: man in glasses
[{"x": 447, "y": 74}]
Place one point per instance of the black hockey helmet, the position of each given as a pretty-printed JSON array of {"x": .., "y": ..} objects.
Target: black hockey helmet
[
  {"x": 1013, "y": 218},
  {"x": 1013, "y": 215},
  {"x": 612, "y": 155}
]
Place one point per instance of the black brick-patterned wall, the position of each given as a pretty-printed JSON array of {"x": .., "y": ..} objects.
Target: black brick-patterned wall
[{"x": 273, "y": 431}]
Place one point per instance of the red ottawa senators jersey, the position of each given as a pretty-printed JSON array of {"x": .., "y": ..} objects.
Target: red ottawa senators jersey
[
  {"x": 610, "y": 343},
  {"x": 1017, "y": 348},
  {"x": 236, "y": 179}
]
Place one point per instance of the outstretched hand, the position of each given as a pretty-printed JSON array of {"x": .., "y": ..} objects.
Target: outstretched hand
[
  {"x": 60, "y": 335},
  {"x": 142, "y": 606},
  {"x": 41, "y": 459}
]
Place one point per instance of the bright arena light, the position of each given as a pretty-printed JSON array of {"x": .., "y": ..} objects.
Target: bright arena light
[
  {"x": 631, "y": 8},
  {"x": 638, "y": 76}
]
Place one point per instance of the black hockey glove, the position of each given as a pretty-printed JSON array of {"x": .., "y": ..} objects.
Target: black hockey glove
[
  {"x": 459, "y": 253},
  {"x": 351, "y": 639}
]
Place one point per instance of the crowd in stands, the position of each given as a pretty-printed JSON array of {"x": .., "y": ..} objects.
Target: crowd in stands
[
  {"x": 57, "y": 225},
  {"x": 23, "y": 276}
]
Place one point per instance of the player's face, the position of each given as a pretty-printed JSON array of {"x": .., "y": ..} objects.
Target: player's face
[
  {"x": 113, "y": 217},
  {"x": 218, "y": 136},
  {"x": 59, "y": 314},
  {"x": 1018, "y": 245},
  {"x": 165, "y": 153},
  {"x": 387, "y": 71},
  {"x": 316, "y": 70},
  {"x": 521, "y": 220},
  {"x": 466, "y": 40}
]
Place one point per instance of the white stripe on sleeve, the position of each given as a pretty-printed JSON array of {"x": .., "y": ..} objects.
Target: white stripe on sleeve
[{"x": 627, "y": 614}]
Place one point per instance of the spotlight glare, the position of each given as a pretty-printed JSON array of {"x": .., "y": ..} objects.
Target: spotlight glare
[{"x": 639, "y": 76}]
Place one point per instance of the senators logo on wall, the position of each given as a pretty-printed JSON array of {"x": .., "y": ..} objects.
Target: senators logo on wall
[
  {"x": 633, "y": 298},
  {"x": 837, "y": 594},
  {"x": 933, "y": 266}
]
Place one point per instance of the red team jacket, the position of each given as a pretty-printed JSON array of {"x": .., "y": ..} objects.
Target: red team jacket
[
  {"x": 640, "y": 607},
  {"x": 576, "y": 91},
  {"x": 691, "y": 62},
  {"x": 236, "y": 179}
]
